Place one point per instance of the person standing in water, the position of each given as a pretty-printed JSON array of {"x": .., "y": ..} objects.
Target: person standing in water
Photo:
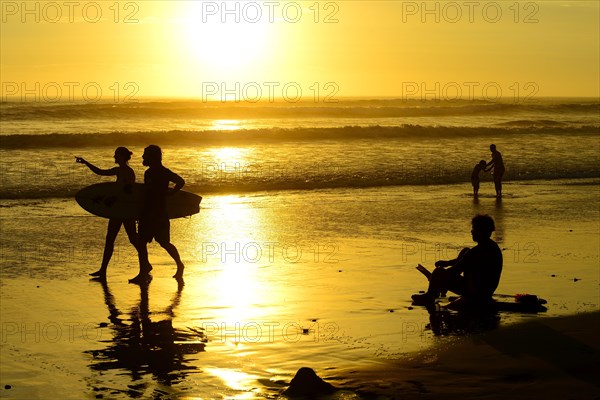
[
  {"x": 498, "y": 169},
  {"x": 475, "y": 176},
  {"x": 125, "y": 176},
  {"x": 154, "y": 221}
]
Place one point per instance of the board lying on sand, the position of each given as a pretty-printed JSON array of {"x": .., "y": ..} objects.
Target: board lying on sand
[
  {"x": 527, "y": 303},
  {"x": 115, "y": 200}
]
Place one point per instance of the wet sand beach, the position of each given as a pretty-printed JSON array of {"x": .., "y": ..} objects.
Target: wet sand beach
[
  {"x": 338, "y": 147},
  {"x": 552, "y": 358},
  {"x": 276, "y": 281}
]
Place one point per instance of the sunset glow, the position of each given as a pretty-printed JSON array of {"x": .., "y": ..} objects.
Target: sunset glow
[
  {"x": 218, "y": 48},
  {"x": 354, "y": 199},
  {"x": 172, "y": 49}
]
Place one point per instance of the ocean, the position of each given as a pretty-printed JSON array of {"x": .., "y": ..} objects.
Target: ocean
[
  {"x": 313, "y": 219},
  {"x": 241, "y": 148}
]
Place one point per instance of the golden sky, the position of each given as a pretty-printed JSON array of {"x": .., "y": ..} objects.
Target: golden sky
[{"x": 258, "y": 49}]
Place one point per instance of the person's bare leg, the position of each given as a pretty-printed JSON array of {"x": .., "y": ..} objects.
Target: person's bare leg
[
  {"x": 440, "y": 282},
  {"x": 135, "y": 240},
  {"x": 112, "y": 231},
  {"x": 172, "y": 250},
  {"x": 131, "y": 232},
  {"x": 145, "y": 266},
  {"x": 498, "y": 185}
]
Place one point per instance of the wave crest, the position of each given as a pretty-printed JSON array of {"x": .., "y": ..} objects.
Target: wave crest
[{"x": 244, "y": 136}]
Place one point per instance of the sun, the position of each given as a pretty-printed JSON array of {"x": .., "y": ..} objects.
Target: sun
[{"x": 223, "y": 43}]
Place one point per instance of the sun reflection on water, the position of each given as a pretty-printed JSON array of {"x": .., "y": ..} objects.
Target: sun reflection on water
[
  {"x": 229, "y": 155},
  {"x": 226, "y": 125},
  {"x": 236, "y": 380},
  {"x": 231, "y": 242}
]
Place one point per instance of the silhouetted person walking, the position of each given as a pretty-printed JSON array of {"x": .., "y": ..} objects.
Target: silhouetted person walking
[
  {"x": 154, "y": 221},
  {"x": 126, "y": 176}
]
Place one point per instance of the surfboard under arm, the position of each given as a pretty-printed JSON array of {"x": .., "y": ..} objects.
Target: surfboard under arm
[{"x": 113, "y": 200}]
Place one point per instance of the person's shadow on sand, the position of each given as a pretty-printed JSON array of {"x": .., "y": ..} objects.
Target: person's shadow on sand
[{"x": 140, "y": 346}]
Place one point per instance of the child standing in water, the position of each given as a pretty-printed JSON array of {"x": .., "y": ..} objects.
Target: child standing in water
[
  {"x": 475, "y": 176},
  {"x": 126, "y": 176}
]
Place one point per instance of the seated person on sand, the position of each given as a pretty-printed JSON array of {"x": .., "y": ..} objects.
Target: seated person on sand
[
  {"x": 475, "y": 176},
  {"x": 474, "y": 274}
]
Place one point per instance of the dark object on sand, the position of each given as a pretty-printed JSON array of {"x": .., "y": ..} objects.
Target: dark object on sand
[
  {"x": 307, "y": 383},
  {"x": 522, "y": 303}
]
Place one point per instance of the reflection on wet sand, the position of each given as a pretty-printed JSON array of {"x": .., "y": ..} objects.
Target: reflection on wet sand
[
  {"x": 140, "y": 346},
  {"x": 446, "y": 323}
]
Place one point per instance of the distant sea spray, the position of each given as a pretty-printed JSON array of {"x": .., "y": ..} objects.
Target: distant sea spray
[
  {"x": 201, "y": 138},
  {"x": 392, "y": 108}
]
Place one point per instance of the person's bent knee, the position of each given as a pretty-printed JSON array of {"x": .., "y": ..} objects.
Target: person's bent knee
[
  {"x": 439, "y": 273},
  {"x": 164, "y": 243}
]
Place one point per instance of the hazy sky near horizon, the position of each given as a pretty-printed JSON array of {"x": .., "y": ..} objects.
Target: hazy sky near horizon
[{"x": 260, "y": 49}]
